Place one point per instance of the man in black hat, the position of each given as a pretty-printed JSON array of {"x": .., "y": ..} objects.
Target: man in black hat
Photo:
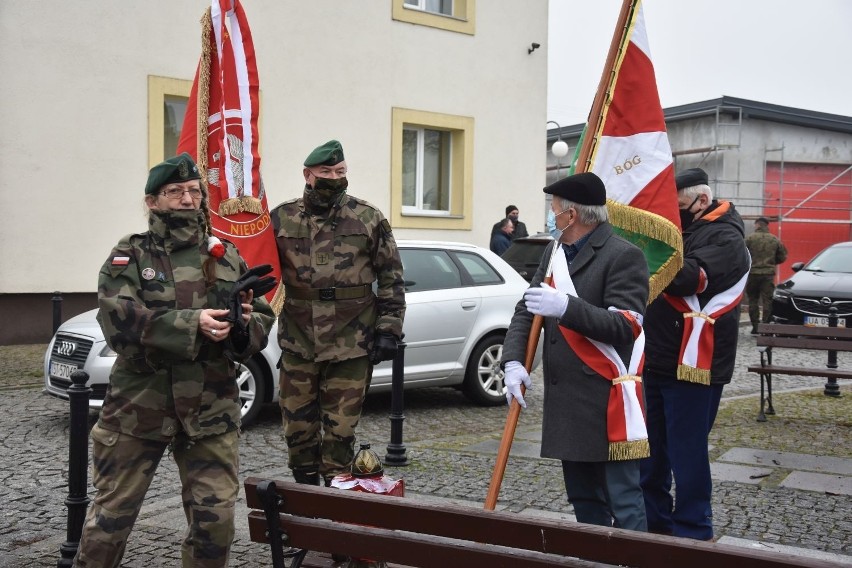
[
  {"x": 599, "y": 292},
  {"x": 767, "y": 251},
  {"x": 519, "y": 228},
  {"x": 691, "y": 344}
]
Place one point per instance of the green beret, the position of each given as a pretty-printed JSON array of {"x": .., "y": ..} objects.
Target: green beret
[
  {"x": 328, "y": 154},
  {"x": 690, "y": 178},
  {"x": 174, "y": 170},
  {"x": 583, "y": 189}
]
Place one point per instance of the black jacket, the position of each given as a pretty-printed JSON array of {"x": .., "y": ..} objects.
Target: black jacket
[{"x": 714, "y": 243}]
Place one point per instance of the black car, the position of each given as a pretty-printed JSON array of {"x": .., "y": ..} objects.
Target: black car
[
  {"x": 524, "y": 254},
  {"x": 818, "y": 286}
]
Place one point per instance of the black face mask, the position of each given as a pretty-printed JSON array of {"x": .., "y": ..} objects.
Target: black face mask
[
  {"x": 687, "y": 218},
  {"x": 325, "y": 192}
]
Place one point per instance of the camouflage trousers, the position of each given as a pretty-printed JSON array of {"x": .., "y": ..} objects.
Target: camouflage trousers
[
  {"x": 759, "y": 289},
  {"x": 320, "y": 408},
  {"x": 123, "y": 467}
]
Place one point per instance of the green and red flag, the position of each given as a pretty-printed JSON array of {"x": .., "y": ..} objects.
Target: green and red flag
[
  {"x": 625, "y": 143},
  {"x": 220, "y": 131}
]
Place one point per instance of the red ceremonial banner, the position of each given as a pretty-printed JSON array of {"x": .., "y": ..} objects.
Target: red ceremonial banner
[{"x": 220, "y": 131}]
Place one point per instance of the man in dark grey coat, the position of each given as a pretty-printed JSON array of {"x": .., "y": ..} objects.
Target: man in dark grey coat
[{"x": 609, "y": 277}]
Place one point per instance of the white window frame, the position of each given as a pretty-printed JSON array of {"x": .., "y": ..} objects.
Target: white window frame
[
  {"x": 417, "y": 208},
  {"x": 421, "y": 5}
]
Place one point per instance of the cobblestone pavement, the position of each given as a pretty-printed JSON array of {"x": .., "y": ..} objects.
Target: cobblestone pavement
[{"x": 442, "y": 433}]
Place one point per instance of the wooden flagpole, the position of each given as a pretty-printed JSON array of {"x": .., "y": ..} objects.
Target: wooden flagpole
[{"x": 583, "y": 157}]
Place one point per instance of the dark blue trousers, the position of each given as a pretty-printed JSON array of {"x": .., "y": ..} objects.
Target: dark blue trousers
[
  {"x": 680, "y": 416},
  {"x": 606, "y": 493}
]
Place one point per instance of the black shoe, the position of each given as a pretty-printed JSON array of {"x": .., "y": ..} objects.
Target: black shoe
[
  {"x": 754, "y": 330},
  {"x": 306, "y": 478}
]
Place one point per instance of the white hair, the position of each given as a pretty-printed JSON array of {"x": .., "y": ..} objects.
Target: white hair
[
  {"x": 588, "y": 214},
  {"x": 696, "y": 190}
]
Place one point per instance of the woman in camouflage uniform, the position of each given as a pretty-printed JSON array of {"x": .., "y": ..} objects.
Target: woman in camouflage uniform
[{"x": 162, "y": 297}]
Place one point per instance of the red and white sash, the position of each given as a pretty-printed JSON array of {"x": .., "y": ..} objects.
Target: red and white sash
[
  {"x": 696, "y": 348},
  {"x": 625, "y": 420}
]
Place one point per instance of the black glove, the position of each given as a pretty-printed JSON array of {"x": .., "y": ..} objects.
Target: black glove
[
  {"x": 254, "y": 279},
  {"x": 384, "y": 348}
]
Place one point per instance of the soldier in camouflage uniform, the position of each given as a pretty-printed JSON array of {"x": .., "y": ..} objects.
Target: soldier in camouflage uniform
[
  {"x": 766, "y": 251},
  {"x": 333, "y": 328},
  {"x": 173, "y": 385}
]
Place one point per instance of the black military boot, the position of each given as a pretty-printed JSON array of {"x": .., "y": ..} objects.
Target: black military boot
[{"x": 306, "y": 477}]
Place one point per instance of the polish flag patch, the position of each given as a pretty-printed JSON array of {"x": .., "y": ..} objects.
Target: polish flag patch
[{"x": 120, "y": 260}]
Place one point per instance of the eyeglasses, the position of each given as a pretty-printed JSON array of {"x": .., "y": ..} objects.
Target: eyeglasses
[{"x": 175, "y": 193}]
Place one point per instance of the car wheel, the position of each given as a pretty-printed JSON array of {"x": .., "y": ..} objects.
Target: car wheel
[
  {"x": 252, "y": 385},
  {"x": 483, "y": 380}
]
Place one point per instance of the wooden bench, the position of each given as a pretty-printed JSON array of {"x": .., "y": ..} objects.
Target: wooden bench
[
  {"x": 773, "y": 336},
  {"x": 404, "y": 532}
]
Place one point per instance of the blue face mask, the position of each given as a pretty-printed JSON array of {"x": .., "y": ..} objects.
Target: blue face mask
[{"x": 551, "y": 225}]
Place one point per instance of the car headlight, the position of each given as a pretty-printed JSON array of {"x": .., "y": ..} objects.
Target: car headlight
[
  {"x": 782, "y": 296},
  {"x": 108, "y": 352}
]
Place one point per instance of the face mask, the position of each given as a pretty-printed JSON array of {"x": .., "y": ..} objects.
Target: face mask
[
  {"x": 687, "y": 218},
  {"x": 551, "y": 225},
  {"x": 513, "y": 218},
  {"x": 325, "y": 192}
]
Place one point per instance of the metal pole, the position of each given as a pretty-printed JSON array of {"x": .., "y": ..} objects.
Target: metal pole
[
  {"x": 396, "y": 452},
  {"x": 831, "y": 386},
  {"x": 57, "y": 310},
  {"x": 78, "y": 463}
]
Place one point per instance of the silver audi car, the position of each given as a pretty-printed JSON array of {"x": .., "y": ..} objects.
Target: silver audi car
[{"x": 460, "y": 299}]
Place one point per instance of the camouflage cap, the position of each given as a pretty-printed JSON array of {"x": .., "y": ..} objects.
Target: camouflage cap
[
  {"x": 328, "y": 154},
  {"x": 177, "y": 169}
]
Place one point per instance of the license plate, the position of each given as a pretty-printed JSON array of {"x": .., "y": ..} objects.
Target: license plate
[
  {"x": 820, "y": 321},
  {"x": 62, "y": 370}
]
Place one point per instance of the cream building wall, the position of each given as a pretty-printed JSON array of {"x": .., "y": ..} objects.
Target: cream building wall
[{"x": 74, "y": 104}]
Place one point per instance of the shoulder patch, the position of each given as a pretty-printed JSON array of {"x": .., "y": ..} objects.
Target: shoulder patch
[
  {"x": 386, "y": 227},
  {"x": 120, "y": 260}
]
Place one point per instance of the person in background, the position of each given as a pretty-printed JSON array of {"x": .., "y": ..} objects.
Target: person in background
[
  {"x": 767, "y": 251},
  {"x": 687, "y": 366},
  {"x": 502, "y": 239},
  {"x": 175, "y": 308},
  {"x": 333, "y": 327},
  {"x": 599, "y": 293},
  {"x": 512, "y": 214}
]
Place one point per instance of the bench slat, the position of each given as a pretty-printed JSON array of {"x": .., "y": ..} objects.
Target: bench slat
[
  {"x": 805, "y": 331},
  {"x": 802, "y": 371},
  {"x": 599, "y": 544},
  {"x": 804, "y": 343},
  {"x": 409, "y": 549}
]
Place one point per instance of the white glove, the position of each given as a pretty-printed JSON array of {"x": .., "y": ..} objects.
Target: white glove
[
  {"x": 546, "y": 301},
  {"x": 513, "y": 375}
]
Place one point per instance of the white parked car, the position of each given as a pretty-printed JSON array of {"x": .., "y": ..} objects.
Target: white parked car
[{"x": 460, "y": 299}]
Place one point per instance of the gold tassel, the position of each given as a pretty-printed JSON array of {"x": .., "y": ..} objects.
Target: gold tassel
[
  {"x": 629, "y": 450},
  {"x": 251, "y": 204},
  {"x": 277, "y": 302},
  {"x": 230, "y": 206},
  {"x": 693, "y": 374},
  {"x": 656, "y": 227}
]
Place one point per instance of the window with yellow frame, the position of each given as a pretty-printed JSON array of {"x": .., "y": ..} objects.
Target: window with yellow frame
[
  {"x": 431, "y": 170},
  {"x": 167, "y": 100},
  {"x": 451, "y": 15}
]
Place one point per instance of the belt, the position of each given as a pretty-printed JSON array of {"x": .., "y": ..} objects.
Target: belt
[{"x": 327, "y": 294}]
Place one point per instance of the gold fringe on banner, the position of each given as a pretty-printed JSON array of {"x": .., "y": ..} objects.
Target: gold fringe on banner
[
  {"x": 629, "y": 450},
  {"x": 656, "y": 227},
  {"x": 277, "y": 302},
  {"x": 234, "y": 205},
  {"x": 693, "y": 374},
  {"x": 204, "y": 92}
]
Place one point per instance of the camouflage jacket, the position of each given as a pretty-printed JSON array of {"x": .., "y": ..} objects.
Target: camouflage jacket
[
  {"x": 167, "y": 376},
  {"x": 352, "y": 245},
  {"x": 766, "y": 251}
]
